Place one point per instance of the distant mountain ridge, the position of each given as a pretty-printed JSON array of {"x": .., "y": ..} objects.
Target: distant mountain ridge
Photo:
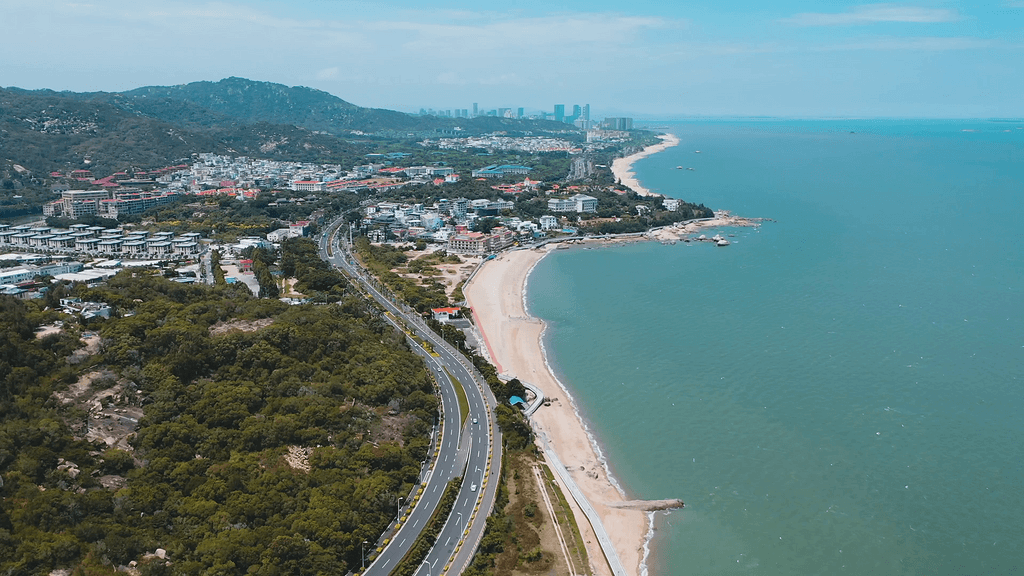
[
  {"x": 254, "y": 101},
  {"x": 207, "y": 103},
  {"x": 45, "y": 130},
  {"x": 49, "y": 131}
]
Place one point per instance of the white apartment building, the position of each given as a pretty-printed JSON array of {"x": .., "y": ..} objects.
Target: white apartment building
[
  {"x": 548, "y": 222},
  {"x": 579, "y": 203}
]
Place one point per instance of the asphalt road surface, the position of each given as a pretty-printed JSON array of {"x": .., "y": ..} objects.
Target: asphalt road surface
[{"x": 466, "y": 450}]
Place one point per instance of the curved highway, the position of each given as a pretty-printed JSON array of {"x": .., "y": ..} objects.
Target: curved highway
[{"x": 467, "y": 450}]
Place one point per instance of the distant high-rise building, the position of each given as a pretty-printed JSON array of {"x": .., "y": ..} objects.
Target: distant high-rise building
[
  {"x": 519, "y": 113},
  {"x": 475, "y": 109},
  {"x": 618, "y": 123},
  {"x": 559, "y": 112},
  {"x": 586, "y": 112}
]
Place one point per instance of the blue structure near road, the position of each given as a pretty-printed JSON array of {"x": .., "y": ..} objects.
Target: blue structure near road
[{"x": 517, "y": 400}]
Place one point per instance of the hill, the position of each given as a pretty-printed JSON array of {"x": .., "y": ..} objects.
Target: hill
[
  {"x": 254, "y": 101},
  {"x": 47, "y": 131},
  {"x": 43, "y": 130}
]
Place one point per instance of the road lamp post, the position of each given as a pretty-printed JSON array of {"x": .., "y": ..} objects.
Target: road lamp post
[
  {"x": 399, "y": 516},
  {"x": 362, "y": 553},
  {"x": 459, "y": 524},
  {"x": 428, "y": 567}
]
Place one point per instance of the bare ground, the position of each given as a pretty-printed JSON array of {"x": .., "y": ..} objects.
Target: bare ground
[
  {"x": 109, "y": 416},
  {"x": 239, "y": 325}
]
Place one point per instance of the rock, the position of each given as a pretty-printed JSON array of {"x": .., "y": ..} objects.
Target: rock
[
  {"x": 647, "y": 505},
  {"x": 161, "y": 553}
]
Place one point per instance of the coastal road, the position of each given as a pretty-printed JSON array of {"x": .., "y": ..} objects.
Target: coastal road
[{"x": 467, "y": 450}]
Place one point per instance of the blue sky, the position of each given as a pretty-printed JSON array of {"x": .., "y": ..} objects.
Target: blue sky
[{"x": 643, "y": 58}]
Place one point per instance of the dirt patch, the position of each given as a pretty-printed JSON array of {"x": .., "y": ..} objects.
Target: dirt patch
[
  {"x": 108, "y": 408},
  {"x": 288, "y": 289},
  {"x": 447, "y": 274},
  {"x": 112, "y": 482},
  {"x": 298, "y": 458},
  {"x": 44, "y": 331},
  {"x": 92, "y": 347},
  {"x": 391, "y": 428},
  {"x": 240, "y": 326}
]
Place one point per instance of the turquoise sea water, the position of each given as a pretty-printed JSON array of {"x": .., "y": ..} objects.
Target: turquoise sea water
[{"x": 837, "y": 392}]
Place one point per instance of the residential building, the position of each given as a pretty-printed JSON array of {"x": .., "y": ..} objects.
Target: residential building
[
  {"x": 561, "y": 205},
  {"x": 495, "y": 171},
  {"x": 618, "y": 123},
  {"x": 278, "y": 235},
  {"x": 307, "y": 186},
  {"x": 548, "y": 222},
  {"x": 445, "y": 314},
  {"x": 478, "y": 243},
  {"x": 579, "y": 203}
]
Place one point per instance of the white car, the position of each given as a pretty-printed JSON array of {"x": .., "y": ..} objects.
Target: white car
[{"x": 472, "y": 488}]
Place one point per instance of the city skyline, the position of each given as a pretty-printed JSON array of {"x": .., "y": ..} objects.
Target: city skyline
[
  {"x": 792, "y": 58},
  {"x": 579, "y": 113}
]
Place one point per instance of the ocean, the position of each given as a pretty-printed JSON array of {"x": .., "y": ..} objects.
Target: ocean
[{"x": 839, "y": 390}]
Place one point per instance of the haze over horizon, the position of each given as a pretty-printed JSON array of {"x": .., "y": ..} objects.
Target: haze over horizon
[{"x": 794, "y": 58}]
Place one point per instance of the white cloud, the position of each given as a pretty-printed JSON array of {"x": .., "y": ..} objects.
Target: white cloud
[
  {"x": 327, "y": 73},
  {"x": 924, "y": 44},
  {"x": 872, "y": 14}
]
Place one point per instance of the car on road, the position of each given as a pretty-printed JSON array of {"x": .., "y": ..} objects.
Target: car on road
[
  {"x": 472, "y": 488},
  {"x": 474, "y": 420}
]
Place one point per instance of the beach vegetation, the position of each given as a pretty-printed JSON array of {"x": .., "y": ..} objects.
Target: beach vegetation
[
  {"x": 520, "y": 537},
  {"x": 388, "y": 263}
]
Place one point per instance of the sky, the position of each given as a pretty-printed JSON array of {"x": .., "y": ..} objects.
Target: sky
[{"x": 647, "y": 59}]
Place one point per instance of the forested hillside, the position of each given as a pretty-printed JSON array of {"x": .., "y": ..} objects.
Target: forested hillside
[
  {"x": 254, "y": 101},
  {"x": 149, "y": 127},
  {"x": 46, "y": 131},
  {"x": 273, "y": 440}
]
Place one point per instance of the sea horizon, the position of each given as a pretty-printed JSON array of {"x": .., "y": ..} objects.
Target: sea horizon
[{"x": 795, "y": 417}]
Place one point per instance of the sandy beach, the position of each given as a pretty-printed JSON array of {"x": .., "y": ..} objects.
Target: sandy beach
[
  {"x": 622, "y": 168},
  {"x": 513, "y": 340}
]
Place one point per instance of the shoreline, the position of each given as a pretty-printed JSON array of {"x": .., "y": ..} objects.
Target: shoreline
[
  {"x": 622, "y": 168},
  {"x": 515, "y": 343}
]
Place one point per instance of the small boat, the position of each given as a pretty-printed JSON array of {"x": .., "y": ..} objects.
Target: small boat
[
  {"x": 696, "y": 151},
  {"x": 723, "y": 242},
  {"x": 679, "y": 167},
  {"x": 689, "y": 168}
]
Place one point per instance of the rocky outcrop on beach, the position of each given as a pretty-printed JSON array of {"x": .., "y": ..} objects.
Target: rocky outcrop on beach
[{"x": 647, "y": 505}]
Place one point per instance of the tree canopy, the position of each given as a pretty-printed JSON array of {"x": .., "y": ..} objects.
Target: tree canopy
[{"x": 275, "y": 439}]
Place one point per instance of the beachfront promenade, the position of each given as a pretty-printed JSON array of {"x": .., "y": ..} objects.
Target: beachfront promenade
[
  {"x": 556, "y": 464},
  {"x": 595, "y": 521}
]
